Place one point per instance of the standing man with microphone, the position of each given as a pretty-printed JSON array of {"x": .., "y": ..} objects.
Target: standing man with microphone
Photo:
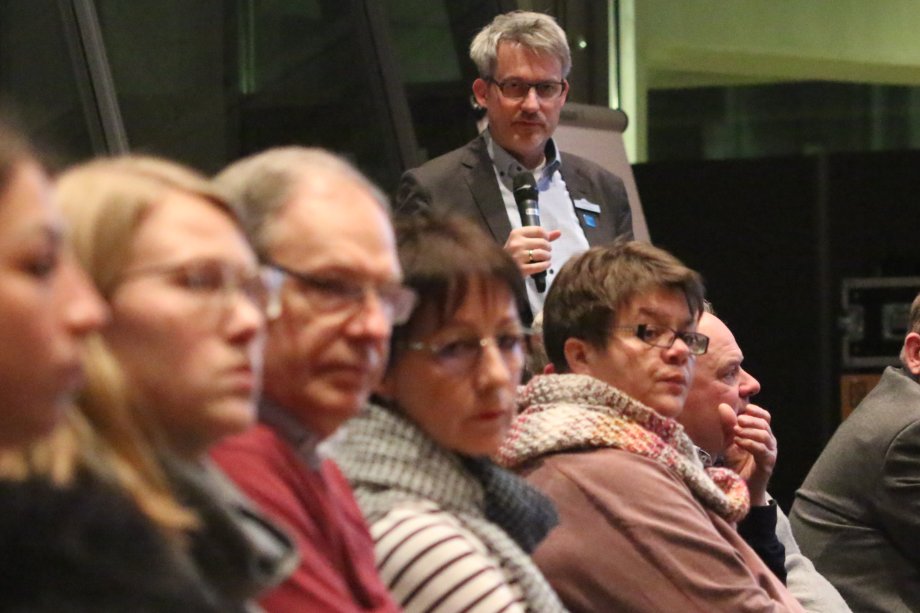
[{"x": 523, "y": 60}]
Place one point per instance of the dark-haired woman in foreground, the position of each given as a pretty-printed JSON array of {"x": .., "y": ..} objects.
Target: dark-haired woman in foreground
[
  {"x": 74, "y": 544},
  {"x": 47, "y": 304}
]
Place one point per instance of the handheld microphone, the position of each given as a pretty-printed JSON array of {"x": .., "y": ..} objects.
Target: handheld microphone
[{"x": 525, "y": 196}]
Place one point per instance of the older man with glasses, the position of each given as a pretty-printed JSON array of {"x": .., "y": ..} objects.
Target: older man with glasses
[
  {"x": 324, "y": 230},
  {"x": 643, "y": 525},
  {"x": 523, "y": 60}
]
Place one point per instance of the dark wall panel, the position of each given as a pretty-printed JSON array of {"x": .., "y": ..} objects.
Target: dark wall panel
[{"x": 773, "y": 239}]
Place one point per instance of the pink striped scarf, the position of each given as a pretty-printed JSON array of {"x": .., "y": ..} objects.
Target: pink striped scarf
[{"x": 568, "y": 412}]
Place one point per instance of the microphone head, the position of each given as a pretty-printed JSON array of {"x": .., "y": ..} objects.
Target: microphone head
[{"x": 525, "y": 186}]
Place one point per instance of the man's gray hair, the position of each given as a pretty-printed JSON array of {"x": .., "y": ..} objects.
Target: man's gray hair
[
  {"x": 259, "y": 186},
  {"x": 535, "y": 31}
]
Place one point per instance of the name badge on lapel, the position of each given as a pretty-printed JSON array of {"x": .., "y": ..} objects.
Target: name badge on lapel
[{"x": 588, "y": 211}]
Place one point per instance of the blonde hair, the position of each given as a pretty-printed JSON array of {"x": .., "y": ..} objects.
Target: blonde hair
[
  {"x": 102, "y": 437},
  {"x": 111, "y": 436},
  {"x": 105, "y": 201}
]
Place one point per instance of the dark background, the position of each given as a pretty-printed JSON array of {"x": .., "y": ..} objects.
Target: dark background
[
  {"x": 774, "y": 238},
  {"x": 776, "y": 192}
]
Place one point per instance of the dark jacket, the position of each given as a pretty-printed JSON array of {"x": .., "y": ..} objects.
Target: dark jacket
[
  {"x": 86, "y": 547},
  {"x": 238, "y": 551},
  {"x": 857, "y": 515},
  {"x": 463, "y": 182}
]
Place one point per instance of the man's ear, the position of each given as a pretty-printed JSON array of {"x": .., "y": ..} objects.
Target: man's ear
[
  {"x": 579, "y": 355},
  {"x": 912, "y": 353},
  {"x": 481, "y": 91}
]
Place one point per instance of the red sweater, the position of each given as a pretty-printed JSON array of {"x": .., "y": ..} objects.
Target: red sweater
[{"x": 337, "y": 569}]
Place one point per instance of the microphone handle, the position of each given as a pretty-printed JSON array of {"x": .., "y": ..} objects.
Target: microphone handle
[
  {"x": 539, "y": 280},
  {"x": 530, "y": 216}
]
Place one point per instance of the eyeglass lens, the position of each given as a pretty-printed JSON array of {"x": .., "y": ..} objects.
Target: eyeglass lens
[
  {"x": 662, "y": 336},
  {"x": 463, "y": 354},
  {"x": 336, "y": 294},
  {"x": 516, "y": 89}
]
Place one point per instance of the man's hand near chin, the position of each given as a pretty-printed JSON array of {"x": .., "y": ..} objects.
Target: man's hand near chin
[{"x": 752, "y": 454}]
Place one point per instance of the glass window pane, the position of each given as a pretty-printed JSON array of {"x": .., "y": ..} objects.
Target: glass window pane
[
  {"x": 37, "y": 78},
  {"x": 167, "y": 62},
  {"x": 796, "y": 118},
  {"x": 424, "y": 42},
  {"x": 209, "y": 81},
  {"x": 431, "y": 39}
]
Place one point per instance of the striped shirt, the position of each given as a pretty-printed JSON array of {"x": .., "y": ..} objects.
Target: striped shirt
[{"x": 431, "y": 563}]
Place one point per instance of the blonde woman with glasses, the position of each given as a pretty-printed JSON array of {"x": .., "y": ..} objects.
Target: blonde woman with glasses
[{"x": 179, "y": 365}]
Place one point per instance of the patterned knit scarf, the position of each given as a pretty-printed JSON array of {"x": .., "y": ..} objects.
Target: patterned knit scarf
[
  {"x": 525, "y": 513},
  {"x": 390, "y": 461},
  {"x": 570, "y": 412}
]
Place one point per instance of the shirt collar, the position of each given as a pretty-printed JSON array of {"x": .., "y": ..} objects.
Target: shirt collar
[
  {"x": 291, "y": 430},
  {"x": 509, "y": 167}
]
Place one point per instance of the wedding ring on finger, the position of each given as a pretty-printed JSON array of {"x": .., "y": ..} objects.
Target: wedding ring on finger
[{"x": 530, "y": 256}]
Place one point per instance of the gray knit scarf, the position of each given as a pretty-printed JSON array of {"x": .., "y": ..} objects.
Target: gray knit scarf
[{"x": 390, "y": 461}]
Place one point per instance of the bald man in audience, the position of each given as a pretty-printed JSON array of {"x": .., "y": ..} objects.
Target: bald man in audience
[{"x": 728, "y": 429}]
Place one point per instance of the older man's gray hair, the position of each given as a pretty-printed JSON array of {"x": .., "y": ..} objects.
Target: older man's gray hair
[{"x": 259, "y": 186}]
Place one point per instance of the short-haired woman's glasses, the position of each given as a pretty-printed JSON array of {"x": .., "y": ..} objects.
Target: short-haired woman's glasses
[
  {"x": 517, "y": 89},
  {"x": 664, "y": 337},
  {"x": 461, "y": 355},
  {"x": 336, "y": 293}
]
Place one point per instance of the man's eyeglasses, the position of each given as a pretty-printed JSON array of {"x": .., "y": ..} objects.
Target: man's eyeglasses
[
  {"x": 328, "y": 293},
  {"x": 460, "y": 356},
  {"x": 216, "y": 283},
  {"x": 664, "y": 337},
  {"x": 516, "y": 89}
]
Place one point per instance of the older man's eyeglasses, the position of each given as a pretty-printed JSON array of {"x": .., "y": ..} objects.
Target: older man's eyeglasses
[
  {"x": 664, "y": 337},
  {"x": 517, "y": 89},
  {"x": 459, "y": 356},
  {"x": 330, "y": 293}
]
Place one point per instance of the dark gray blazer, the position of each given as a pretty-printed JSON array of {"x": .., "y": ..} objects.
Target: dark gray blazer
[
  {"x": 463, "y": 181},
  {"x": 857, "y": 515}
]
